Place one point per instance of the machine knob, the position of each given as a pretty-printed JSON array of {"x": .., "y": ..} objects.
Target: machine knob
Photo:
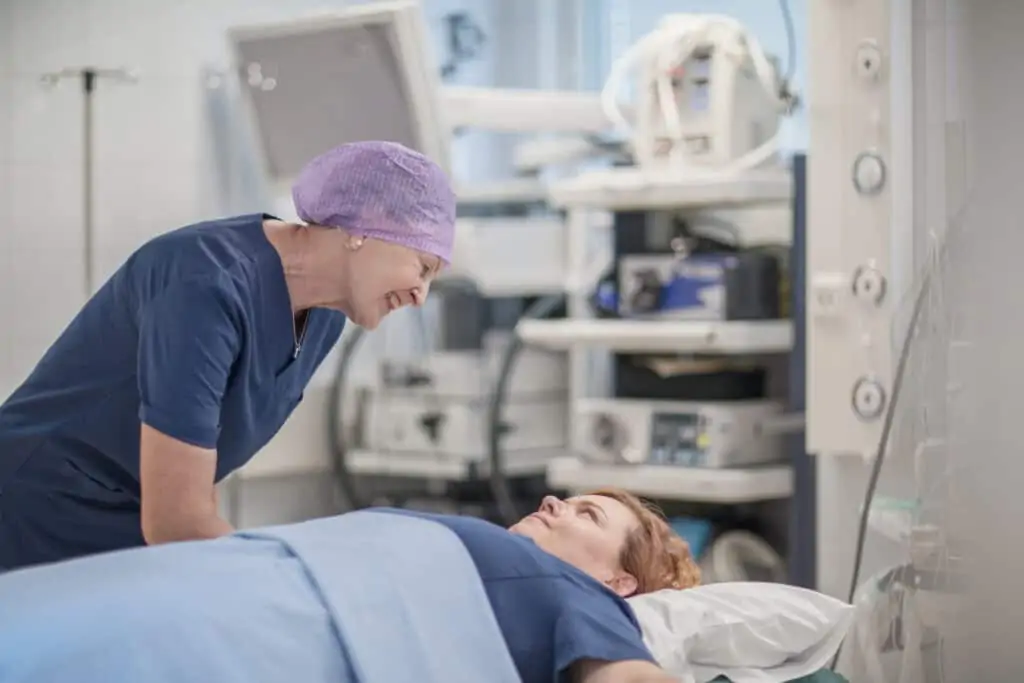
[
  {"x": 606, "y": 433},
  {"x": 431, "y": 424},
  {"x": 868, "y": 399},
  {"x": 869, "y": 284},
  {"x": 611, "y": 439},
  {"x": 869, "y": 173},
  {"x": 868, "y": 60}
]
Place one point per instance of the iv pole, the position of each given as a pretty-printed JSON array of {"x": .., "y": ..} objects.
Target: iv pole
[{"x": 88, "y": 77}]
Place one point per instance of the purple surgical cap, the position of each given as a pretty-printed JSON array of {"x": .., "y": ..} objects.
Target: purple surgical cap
[{"x": 381, "y": 190}]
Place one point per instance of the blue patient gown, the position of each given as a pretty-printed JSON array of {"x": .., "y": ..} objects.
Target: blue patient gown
[
  {"x": 552, "y": 615},
  {"x": 194, "y": 336}
]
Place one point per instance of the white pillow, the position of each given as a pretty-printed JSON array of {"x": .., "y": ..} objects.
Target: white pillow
[{"x": 749, "y": 632}]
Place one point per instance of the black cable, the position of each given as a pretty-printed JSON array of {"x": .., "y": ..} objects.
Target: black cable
[
  {"x": 787, "y": 19},
  {"x": 336, "y": 436},
  {"x": 882, "y": 450},
  {"x": 506, "y": 504},
  {"x": 786, "y": 90},
  {"x": 883, "y": 442}
]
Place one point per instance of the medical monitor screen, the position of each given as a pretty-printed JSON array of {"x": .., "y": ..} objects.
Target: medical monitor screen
[{"x": 321, "y": 86}]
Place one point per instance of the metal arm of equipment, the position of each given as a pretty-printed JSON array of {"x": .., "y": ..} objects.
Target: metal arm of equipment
[{"x": 524, "y": 111}]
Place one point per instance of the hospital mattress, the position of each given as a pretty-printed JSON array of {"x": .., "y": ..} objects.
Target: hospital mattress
[{"x": 324, "y": 601}]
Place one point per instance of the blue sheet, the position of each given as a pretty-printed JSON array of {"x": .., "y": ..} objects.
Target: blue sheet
[{"x": 360, "y": 598}]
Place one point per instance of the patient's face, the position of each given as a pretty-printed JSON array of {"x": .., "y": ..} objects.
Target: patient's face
[{"x": 588, "y": 532}]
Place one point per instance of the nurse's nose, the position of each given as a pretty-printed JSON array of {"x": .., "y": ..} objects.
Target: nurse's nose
[{"x": 419, "y": 295}]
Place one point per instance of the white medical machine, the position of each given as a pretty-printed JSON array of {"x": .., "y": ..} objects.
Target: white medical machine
[
  {"x": 706, "y": 96},
  {"x": 714, "y": 435},
  {"x": 703, "y": 124},
  {"x": 433, "y": 410}
]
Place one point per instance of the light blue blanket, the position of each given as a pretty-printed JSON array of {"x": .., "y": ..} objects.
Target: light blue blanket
[{"x": 366, "y": 597}]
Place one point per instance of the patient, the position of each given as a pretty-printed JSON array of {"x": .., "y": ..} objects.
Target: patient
[
  {"x": 557, "y": 583},
  {"x": 272, "y": 604}
]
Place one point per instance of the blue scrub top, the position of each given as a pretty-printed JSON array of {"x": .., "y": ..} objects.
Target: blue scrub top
[
  {"x": 551, "y": 614},
  {"x": 194, "y": 336}
]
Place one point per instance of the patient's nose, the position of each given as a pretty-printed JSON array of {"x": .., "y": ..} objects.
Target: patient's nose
[{"x": 551, "y": 505}]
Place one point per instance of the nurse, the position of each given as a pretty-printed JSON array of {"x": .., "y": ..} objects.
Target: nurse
[{"x": 195, "y": 352}]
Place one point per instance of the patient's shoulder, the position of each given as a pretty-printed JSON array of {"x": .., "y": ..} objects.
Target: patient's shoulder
[
  {"x": 496, "y": 552},
  {"x": 500, "y": 554}
]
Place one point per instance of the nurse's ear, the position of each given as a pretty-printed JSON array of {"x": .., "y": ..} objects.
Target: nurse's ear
[{"x": 354, "y": 242}]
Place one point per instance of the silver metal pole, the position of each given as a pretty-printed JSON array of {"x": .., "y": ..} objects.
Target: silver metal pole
[
  {"x": 88, "y": 219},
  {"x": 88, "y": 76}
]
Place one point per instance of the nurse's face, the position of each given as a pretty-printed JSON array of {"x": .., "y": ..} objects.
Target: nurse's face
[
  {"x": 588, "y": 532},
  {"x": 383, "y": 277}
]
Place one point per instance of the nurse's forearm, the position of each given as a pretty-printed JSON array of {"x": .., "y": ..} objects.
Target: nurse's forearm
[
  {"x": 191, "y": 529},
  {"x": 192, "y": 523},
  {"x": 179, "y": 501}
]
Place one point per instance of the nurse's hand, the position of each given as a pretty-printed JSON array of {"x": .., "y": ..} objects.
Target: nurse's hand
[{"x": 179, "y": 501}]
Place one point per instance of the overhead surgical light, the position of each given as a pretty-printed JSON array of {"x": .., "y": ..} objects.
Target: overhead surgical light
[{"x": 359, "y": 73}]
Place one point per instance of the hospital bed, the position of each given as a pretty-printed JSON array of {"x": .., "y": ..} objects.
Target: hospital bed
[{"x": 330, "y": 600}]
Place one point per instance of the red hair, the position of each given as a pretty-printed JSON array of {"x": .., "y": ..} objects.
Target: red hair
[{"x": 654, "y": 554}]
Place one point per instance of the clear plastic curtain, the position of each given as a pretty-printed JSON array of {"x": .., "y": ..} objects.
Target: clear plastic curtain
[{"x": 954, "y": 470}]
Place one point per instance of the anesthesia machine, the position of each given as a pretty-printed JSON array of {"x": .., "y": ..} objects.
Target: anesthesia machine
[
  {"x": 677, "y": 336},
  {"x": 708, "y": 108}
]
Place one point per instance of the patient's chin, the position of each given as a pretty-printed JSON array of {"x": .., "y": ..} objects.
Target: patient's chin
[{"x": 527, "y": 526}]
